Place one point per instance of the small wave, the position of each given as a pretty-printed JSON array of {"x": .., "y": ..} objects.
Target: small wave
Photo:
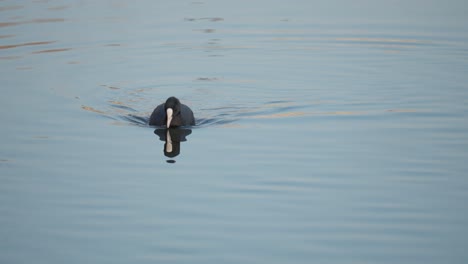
[
  {"x": 204, "y": 122},
  {"x": 121, "y": 106},
  {"x": 135, "y": 120}
]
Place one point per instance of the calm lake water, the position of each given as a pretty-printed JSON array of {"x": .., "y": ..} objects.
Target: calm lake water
[{"x": 328, "y": 132}]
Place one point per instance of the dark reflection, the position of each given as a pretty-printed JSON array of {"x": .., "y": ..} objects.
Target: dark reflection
[{"x": 172, "y": 138}]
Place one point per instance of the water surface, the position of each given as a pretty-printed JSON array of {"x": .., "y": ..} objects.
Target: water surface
[{"x": 327, "y": 132}]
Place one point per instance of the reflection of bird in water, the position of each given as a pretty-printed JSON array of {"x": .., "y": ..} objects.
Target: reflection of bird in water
[
  {"x": 172, "y": 137},
  {"x": 172, "y": 114}
]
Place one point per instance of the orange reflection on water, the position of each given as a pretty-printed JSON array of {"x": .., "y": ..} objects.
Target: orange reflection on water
[
  {"x": 51, "y": 50},
  {"x": 13, "y": 7},
  {"x": 33, "y": 21},
  {"x": 58, "y": 7},
  {"x": 26, "y": 44},
  {"x": 10, "y": 57}
]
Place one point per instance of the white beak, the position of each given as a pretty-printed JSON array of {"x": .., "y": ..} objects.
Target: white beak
[{"x": 169, "y": 117}]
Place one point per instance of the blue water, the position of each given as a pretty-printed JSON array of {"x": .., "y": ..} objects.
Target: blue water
[{"x": 327, "y": 132}]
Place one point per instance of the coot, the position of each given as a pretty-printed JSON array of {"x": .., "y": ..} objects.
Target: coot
[{"x": 172, "y": 114}]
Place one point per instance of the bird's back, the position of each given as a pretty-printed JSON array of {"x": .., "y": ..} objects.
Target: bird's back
[
  {"x": 187, "y": 115},
  {"x": 158, "y": 117},
  {"x": 185, "y": 118}
]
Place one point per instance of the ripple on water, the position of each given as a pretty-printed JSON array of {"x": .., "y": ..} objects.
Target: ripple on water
[{"x": 132, "y": 106}]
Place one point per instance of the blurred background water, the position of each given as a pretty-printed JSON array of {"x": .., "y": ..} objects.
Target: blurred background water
[{"x": 328, "y": 132}]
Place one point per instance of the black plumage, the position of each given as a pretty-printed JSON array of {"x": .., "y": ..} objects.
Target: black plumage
[{"x": 182, "y": 115}]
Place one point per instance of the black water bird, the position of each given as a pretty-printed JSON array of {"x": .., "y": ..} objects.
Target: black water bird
[{"x": 172, "y": 114}]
